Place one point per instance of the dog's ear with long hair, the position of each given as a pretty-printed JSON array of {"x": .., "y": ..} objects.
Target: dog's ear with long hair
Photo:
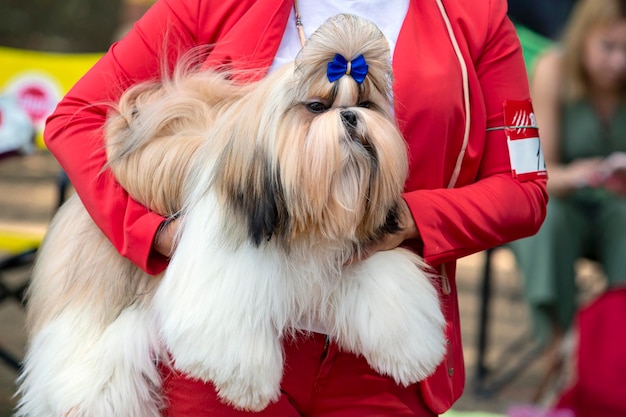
[{"x": 250, "y": 185}]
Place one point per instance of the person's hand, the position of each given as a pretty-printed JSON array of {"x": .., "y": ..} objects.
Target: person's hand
[
  {"x": 616, "y": 182},
  {"x": 165, "y": 238},
  {"x": 613, "y": 172},
  {"x": 408, "y": 230},
  {"x": 585, "y": 173}
]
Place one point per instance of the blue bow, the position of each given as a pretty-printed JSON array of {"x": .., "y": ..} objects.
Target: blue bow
[{"x": 339, "y": 67}]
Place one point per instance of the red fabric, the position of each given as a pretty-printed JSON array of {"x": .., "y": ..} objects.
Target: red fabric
[
  {"x": 487, "y": 208},
  {"x": 600, "y": 386},
  {"x": 317, "y": 383}
]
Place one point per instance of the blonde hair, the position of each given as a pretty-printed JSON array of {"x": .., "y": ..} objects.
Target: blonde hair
[{"x": 586, "y": 16}]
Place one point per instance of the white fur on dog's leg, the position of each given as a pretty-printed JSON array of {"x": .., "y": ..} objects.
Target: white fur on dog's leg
[
  {"x": 390, "y": 312},
  {"x": 252, "y": 378},
  {"x": 233, "y": 345},
  {"x": 215, "y": 307},
  {"x": 73, "y": 368}
]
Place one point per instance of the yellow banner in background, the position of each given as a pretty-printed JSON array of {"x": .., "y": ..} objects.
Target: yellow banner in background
[{"x": 39, "y": 80}]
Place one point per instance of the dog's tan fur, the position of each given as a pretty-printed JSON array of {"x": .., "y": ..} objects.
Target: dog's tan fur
[{"x": 254, "y": 174}]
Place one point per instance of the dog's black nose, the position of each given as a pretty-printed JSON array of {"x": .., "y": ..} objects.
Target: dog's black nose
[{"x": 348, "y": 118}]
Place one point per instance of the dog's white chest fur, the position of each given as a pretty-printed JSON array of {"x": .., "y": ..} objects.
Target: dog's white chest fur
[{"x": 245, "y": 298}]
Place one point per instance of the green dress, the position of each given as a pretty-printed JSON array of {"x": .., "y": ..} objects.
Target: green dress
[{"x": 587, "y": 223}]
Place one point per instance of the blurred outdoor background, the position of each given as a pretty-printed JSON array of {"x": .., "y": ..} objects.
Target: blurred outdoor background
[
  {"x": 59, "y": 26},
  {"x": 66, "y": 37}
]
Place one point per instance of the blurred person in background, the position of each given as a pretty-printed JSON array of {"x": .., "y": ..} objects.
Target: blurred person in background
[{"x": 579, "y": 96}]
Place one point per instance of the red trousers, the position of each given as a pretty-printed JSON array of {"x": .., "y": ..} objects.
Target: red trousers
[{"x": 318, "y": 381}]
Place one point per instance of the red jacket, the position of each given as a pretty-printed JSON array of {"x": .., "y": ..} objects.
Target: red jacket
[
  {"x": 599, "y": 385},
  {"x": 488, "y": 206}
]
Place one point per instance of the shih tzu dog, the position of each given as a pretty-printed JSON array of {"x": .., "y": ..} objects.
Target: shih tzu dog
[{"x": 279, "y": 184}]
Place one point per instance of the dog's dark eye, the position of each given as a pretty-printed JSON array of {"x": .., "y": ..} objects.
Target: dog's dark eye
[
  {"x": 317, "y": 107},
  {"x": 365, "y": 104}
]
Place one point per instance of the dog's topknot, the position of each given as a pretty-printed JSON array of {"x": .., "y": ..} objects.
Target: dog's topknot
[{"x": 349, "y": 36}]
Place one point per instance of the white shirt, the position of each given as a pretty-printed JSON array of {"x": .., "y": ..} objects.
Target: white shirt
[{"x": 386, "y": 14}]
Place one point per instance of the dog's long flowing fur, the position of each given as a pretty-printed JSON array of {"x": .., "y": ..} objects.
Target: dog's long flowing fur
[{"x": 278, "y": 184}]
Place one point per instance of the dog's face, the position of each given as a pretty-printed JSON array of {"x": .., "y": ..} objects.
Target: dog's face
[{"x": 328, "y": 162}]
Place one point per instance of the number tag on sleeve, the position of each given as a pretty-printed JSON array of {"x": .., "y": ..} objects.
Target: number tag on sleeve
[{"x": 527, "y": 161}]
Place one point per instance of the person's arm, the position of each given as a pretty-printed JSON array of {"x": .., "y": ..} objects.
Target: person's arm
[
  {"x": 547, "y": 98},
  {"x": 74, "y": 131},
  {"x": 497, "y": 208}
]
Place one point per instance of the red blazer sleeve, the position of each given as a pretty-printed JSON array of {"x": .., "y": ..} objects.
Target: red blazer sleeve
[
  {"x": 74, "y": 131},
  {"x": 494, "y": 208}
]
